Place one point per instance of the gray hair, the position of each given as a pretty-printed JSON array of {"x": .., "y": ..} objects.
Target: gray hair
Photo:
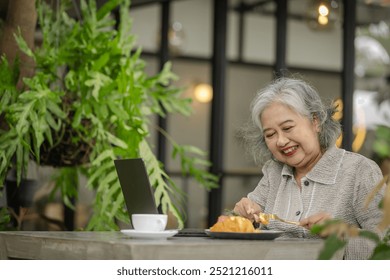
[{"x": 300, "y": 97}]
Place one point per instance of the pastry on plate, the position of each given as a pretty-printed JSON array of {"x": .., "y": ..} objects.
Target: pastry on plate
[{"x": 233, "y": 224}]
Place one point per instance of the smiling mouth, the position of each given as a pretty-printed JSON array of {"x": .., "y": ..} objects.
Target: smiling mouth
[{"x": 290, "y": 150}]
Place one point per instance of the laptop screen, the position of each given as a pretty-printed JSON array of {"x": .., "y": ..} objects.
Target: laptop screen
[
  {"x": 136, "y": 188},
  {"x": 138, "y": 193}
]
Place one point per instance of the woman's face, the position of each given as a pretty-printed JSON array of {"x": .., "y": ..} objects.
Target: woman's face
[{"x": 291, "y": 137}]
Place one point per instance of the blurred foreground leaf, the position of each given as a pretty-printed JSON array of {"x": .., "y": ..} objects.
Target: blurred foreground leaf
[{"x": 331, "y": 246}]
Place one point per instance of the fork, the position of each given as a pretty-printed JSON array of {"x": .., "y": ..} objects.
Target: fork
[{"x": 264, "y": 218}]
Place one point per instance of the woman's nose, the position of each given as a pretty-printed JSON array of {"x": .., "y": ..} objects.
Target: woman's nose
[{"x": 282, "y": 140}]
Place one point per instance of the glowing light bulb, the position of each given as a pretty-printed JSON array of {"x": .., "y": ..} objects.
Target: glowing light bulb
[
  {"x": 203, "y": 93},
  {"x": 323, "y": 10},
  {"x": 323, "y": 20}
]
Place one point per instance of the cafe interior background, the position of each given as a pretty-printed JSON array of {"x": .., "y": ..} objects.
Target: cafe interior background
[{"x": 313, "y": 47}]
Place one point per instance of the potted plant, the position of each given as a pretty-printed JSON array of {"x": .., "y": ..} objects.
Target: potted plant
[{"x": 88, "y": 103}]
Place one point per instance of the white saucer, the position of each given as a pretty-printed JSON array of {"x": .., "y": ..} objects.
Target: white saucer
[{"x": 149, "y": 234}]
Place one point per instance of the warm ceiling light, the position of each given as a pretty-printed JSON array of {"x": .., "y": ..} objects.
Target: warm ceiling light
[
  {"x": 322, "y": 14},
  {"x": 323, "y": 20},
  {"x": 323, "y": 10},
  {"x": 203, "y": 93}
]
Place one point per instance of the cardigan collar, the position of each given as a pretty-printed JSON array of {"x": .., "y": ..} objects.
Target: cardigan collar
[{"x": 326, "y": 169}]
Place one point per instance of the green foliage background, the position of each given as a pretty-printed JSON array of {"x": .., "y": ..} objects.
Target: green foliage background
[{"x": 89, "y": 78}]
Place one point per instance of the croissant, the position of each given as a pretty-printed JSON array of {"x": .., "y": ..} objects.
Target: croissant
[{"x": 233, "y": 224}]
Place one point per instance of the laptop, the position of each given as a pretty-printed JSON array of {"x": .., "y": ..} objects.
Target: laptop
[{"x": 138, "y": 192}]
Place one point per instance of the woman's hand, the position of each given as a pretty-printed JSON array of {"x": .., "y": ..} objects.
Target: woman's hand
[
  {"x": 247, "y": 208},
  {"x": 315, "y": 219}
]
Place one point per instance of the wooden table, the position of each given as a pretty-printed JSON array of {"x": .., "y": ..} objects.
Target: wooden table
[{"x": 50, "y": 245}]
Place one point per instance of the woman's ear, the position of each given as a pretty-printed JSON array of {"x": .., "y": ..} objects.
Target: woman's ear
[{"x": 316, "y": 123}]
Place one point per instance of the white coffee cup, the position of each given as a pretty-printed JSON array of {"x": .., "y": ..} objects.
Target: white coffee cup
[{"x": 149, "y": 222}]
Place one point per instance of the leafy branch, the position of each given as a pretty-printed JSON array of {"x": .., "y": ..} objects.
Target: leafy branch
[{"x": 192, "y": 162}]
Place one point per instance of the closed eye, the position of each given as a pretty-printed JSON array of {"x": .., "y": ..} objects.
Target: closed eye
[
  {"x": 288, "y": 128},
  {"x": 269, "y": 135}
]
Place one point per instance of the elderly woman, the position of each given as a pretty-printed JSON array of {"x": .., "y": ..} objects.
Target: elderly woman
[{"x": 307, "y": 178}]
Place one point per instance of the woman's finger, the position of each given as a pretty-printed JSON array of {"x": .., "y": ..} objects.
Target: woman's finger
[
  {"x": 246, "y": 208},
  {"x": 315, "y": 219}
]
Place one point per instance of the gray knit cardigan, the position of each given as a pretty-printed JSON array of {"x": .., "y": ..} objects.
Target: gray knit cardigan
[{"x": 338, "y": 184}]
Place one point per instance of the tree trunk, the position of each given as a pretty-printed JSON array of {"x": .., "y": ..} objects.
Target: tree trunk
[{"x": 21, "y": 14}]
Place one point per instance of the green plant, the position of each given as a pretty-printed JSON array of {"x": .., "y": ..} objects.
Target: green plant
[
  {"x": 381, "y": 144},
  {"x": 88, "y": 103}
]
